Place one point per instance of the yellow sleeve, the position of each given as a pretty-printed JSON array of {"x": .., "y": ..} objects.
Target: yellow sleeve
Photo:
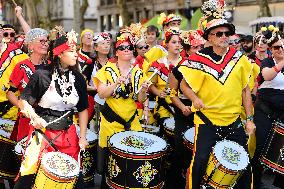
[
  {"x": 100, "y": 77},
  {"x": 193, "y": 77},
  {"x": 246, "y": 70},
  {"x": 155, "y": 53}
]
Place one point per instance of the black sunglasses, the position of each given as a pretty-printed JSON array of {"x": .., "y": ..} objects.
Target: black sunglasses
[
  {"x": 44, "y": 42},
  {"x": 141, "y": 47},
  {"x": 277, "y": 47},
  {"x": 220, "y": 34},
  {"x": 6, "y": 34},
  {"x": 124, "y": 47}
]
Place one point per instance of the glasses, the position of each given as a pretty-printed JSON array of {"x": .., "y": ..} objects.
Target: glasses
[
  {"x": 234, "y": 42},
  {"x": 43, "y": 42},
  {"x": 6, "y": 34},
  {"x": 220, "y": 34},
  {"x": 124, "y": 47},
  {"x": 277, "y": 47},
  {"x": 143, "y": 47}
]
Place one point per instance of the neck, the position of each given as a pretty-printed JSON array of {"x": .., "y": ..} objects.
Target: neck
[
  {"x": 86, "y": 48},
  {"x": 172, "y": 56},
  {"x": 36, "y": 59},
  {"x": 219, "y": 50},
  {"x": 261, "y": 54},
  {"x": 123, "y": 64}
]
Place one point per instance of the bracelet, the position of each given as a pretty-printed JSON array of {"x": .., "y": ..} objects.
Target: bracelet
[
  {"x": 249, "y": 118},
  {"x": 276, "y": 69}
]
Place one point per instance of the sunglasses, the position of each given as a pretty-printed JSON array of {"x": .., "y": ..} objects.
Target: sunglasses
[
  {"x": 43, "y": 42},
  {"x": 6, "y": 34},
  {"x": 143, "y": 47},
  {"x": 234, "y": 42},
  {"x": 124, "y": 47},
  {"x": 277, "y": 47},
  {"x": 220, "y": 34}
]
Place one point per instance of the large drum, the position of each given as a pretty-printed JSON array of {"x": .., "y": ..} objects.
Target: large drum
[
  {"x": 151, "y": 129},
  {"x": 9, "y": 163},
  {"x": 88, "y": 156},
  {"x": 169, "y": 127},
  {"x": 57, "y": 171},
  {"x": 273, "y": 153},
  {"x": 136, "y": 160},
  {"x": 99, "y": 100},
  {"x": 188, "y": 138},
  {"x": 226, "y": 164}
]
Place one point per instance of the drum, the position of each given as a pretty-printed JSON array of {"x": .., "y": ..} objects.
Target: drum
[
  {"x": 152, "y": 104},
  {"x": 169, "y": 127},
  {"x": 9, "y": 163},
  {"x": 20, "y": 147},
  {"x": 151, "y": 129},
  {"x": 273, "y": 154},
  {"x": 188, "y": 138},
  {"x": 226, "y": 164},
  {"x": 57, "y": 171},
  {"x": 99, "y": 100},
  {"x": 136, "y": 160},
  {"x": 88, "y": 156}
]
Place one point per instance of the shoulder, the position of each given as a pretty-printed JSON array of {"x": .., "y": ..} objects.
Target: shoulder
[{"x": 267, "y": 62}]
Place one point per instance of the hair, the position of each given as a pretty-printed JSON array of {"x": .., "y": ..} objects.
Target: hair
[
  {"x": 185, "y": 46},
  {"x": 276, "y": 39},
  {"x": 167, "y": 39},
  {"x": 153, "y": 28}
]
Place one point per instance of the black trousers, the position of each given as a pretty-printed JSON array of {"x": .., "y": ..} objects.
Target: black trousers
[
  {"x": 206, "y": 140},
  {"x": 263, "y": 127}
]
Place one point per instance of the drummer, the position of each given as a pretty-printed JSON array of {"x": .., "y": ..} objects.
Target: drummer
[
  {"x": 269, "y": 106},
  {"x": 118, "y": 82},
  {"x": 217, "y": 96},
  {"x": 54, "y": 93}
]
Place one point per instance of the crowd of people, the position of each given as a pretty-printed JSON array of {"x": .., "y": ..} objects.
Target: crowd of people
[{"x": 229, "y": 87}]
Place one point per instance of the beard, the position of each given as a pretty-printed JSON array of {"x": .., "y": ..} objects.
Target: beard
[{"x": 247, "y": 49}]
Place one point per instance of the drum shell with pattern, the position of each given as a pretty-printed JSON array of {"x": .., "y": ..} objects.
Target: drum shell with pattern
[
  {"x": 219, "y": 175},
  {"x": 9, "y": 162},
  {"x": 169, "y": 127},
  {"x": 127, "y": 169},
  {"x": 52, "y": 180},
  {"x": 273, "y": 153}
]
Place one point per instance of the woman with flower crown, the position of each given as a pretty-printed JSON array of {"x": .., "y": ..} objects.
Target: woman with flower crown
[
  {"x": 119, "y": 83},
  {"x": 54, "y": 93}
]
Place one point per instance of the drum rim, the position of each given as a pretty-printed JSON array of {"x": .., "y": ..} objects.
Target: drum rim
[
  {"x": 247, "y": 156},
  {"x": 156, "y": 129},
  {"x": 169, "y": 128},
  {"x": 111, "y": 145},
  {"x": 262, "y": 159},
  {"x": 184, "y": 138}
]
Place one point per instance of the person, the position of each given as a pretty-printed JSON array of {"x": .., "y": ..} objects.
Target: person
[
  {"x": 118, "y": 83},
  {"x": 234, "y": 41},
  {"x": 152, "y": 34},
  {"x": 169, "y": 21},
  {"x": 269, "y": 106},
  {"x": 192, "y": 42},
  {"x": 54, "y": 93},
  {"x": 247, "y": 44},
  {"x": 38, "y": 45},
  {"x": 224, "y": 91},
  {"x": 84, "y": 53}
]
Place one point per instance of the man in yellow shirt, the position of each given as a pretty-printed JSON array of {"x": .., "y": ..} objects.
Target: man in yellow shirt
[{"x": 216, "y": 81}]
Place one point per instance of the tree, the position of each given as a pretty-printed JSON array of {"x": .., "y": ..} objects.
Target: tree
[
  {"x": 264, "y": 10},
  {"x": 76, "y": 20},
  {"x": 83, "y": 9},
  {"x": 123, "y": 10}
]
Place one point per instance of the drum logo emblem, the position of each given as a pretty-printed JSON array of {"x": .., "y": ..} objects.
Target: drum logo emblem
[
  {"x": 137, "y": 142},
  {"x": 113, "y": 168},
  {"x": 145, "y": 173},
  {"x": 60, "y": 165},
  {"x": 231, "y": 155},
  {"x": 87, "y": 161}
]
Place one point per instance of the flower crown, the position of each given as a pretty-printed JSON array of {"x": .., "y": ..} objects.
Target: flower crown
[
  {"x": 192, "y": 37},
  {"x": 101, "y": 37},
  {"x": 70, "y": 42},
  {"x": 270, "y": 33},
  {"x": 164, "y": 19},
  {"x": 172, "y": 31}
]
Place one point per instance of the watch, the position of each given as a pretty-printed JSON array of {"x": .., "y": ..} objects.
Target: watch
[{"x": 249, "y": 118}]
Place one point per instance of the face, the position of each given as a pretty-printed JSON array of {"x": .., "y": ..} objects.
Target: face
[
  {"x": 194, "y": 49},
  {"x": 39, "y": 46},
  {"x": 125, "y": 51},
  {"x": 174, "y": 24},
  {"x": 151, "y": 37},
  {"x": 68, "y": 57},
  {"x": 277, "y": 49},
  {"x": 9, "y": 35},
  {"x": 87, "y": 38},
  {"x": 142, "y": 48},
  {"x": 234, "y": 41},
  {"x": 261, "y": 45},
  {"x": 174, "y": 45},
  {"x": 247, "y": 46},
  {"x": 103, "y": 47},
  {"x": 219, "y": 37}
]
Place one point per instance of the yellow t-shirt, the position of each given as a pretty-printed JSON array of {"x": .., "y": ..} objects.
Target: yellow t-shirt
[
  {"x": 125, "y": 108},
  {"x": 219, "y": 84}
]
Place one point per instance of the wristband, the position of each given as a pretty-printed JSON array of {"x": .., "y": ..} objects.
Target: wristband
[{"x": 249, "y": 118}]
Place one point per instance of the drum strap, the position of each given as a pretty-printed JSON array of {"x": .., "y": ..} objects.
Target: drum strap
[
  {"x": 5, "y": 107},
  {"x": 162, "y": 102},
  {"x": 46, "y": 138},
  {"x": 111, "y": 116}
]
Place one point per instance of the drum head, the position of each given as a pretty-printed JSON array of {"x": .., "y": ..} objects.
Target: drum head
[
  {"x": 90, "y": 136},
  {"x": 150, "y": 129},
  {"x": 6, "y": 127},
  {"x": 99, "y": 100},
  {"x": 20, "y": 147},
  {"x": 169, "y": 123},
  {"x": 60, "y": 164},
  {"x": 231, "y": 155},
  {"x": 189, "y": 135},
  {"x": 136, "y": 143},
  {"x": 152, "y": 104}
]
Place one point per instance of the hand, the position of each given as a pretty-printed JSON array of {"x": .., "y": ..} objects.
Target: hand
[
  {"x": 163, "y": 94},
  {"x": 83, "y": 143},
  {"x": 186, "y": 110},
  {"x": 19, "y": 11},
  {"x": 198, "y": 104},
  {"x": 38, "y": 123},
  {"x": 145, "y": 85},
  {"x": 250, "y": 127},
  {"x": 145, "y": 116},
  {"x": 120, "y": 80}
]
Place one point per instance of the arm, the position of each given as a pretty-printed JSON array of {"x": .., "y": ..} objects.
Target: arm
[
  {"x": 247, "y": 103},
  {"x": 270, "y": 73},
  {"x": 13, "y": 98},
  {"x": 24, "y": 24},
  {"x": 83, "y": 121}
]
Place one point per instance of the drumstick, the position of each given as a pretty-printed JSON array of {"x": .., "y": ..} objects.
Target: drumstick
[
  {"x": 15, "y": 4},
  {"x": 130, "y": 70}
]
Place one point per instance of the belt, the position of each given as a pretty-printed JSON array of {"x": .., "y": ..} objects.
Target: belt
[{"x": 58, "y": 123}]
